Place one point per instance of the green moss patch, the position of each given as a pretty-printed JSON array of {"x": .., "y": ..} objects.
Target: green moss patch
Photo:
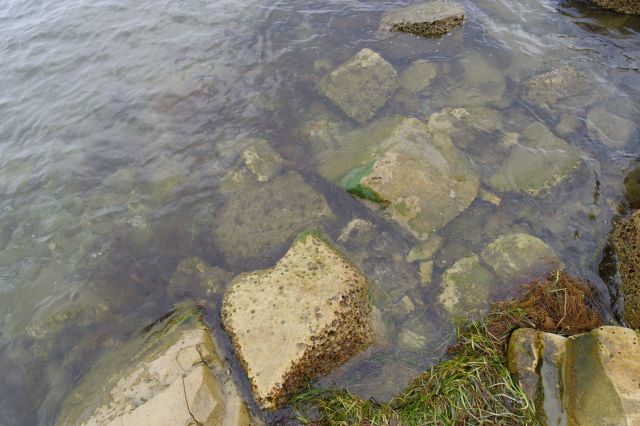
[{"x": 351, "y": 182}]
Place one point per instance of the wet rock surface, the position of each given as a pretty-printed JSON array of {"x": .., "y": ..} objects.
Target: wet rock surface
[
  {"x": 626, "y": 240},
  {"x": 563, "y": 86},
  {"x": 195, "y": 278},
  {"x": 361, "y": 85},
  {"x": 629, "y": 7},
  {"x": 427, "y": 19},
  {"x": 298, "y": 320},
  {"x": 172, "y": 375},
  {"x": 590, "y": 378},
  {"x": 537, "y": 162},
  {"x": 420, "y": 177}
]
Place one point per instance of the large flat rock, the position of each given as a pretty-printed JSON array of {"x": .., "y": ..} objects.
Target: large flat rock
[
  {"x": 587, "y": 379},
  {"x": 427, "y": 19},
  {"x": 629, "y": 7},
  {"x": 170, "y": 376},
  {"x": 421, "y": 177},
  {"x": 360, "y": 86},
  {"x": 298, "y": 320}
]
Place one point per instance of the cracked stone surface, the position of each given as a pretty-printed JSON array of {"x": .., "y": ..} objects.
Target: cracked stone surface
[
  {"x": 298, "y": 320},
  {"x": 177, "y": 378}
]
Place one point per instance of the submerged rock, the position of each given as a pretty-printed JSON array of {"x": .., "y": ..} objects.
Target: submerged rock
[
  {"x": 481, "y": 84},
  {"x": 587, "y": 379},
  {"x": 539, "y": 161},
  {"x": 610, "y": 129},
  {"x": 632, "y": 188},
  {"x": 360, "y": 86},
  {"x": 466, "y": 288},
  {"x": 417, "y": 76},
  {"x": 629, "y": 7},
  {"x": 172, "y": 375},
  {"x": 264, "y": 209},
  {"x": 296, "y": 321},
  {"x": 419, "y": 176},
  {"x": 564, "y": 84},
  {"x": 626, "y": 241},
  {"x": 194, "y": 277},
  {"x": 432, "y": 18},
  {"x": 513, "y": 259}
]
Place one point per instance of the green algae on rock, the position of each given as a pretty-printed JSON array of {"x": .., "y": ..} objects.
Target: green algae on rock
[
  {"x": 298, "y": 320},
  {"x": 539, "y": 161},
  {"x": 466, "y": 288},
  {"x": 171, "y": 375},
  {"x": 589, "y": 379},
  {"x": 265, "y": 208},
  {"x": 360, "y": 86},
  {"x": 432, "y": 18},
  {"x": 421, "y": 177},
  {"x": 626, "y": 240}
]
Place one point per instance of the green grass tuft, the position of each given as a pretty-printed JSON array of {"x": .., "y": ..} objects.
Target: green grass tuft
[{"x": 473, "y": 386}]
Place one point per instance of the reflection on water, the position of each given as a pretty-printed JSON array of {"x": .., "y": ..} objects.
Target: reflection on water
[{"x": 119, "y": 124}]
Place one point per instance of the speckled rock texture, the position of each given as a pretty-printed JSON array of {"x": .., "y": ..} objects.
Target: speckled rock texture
[
  {"x": 428, "y": 19},
  {"x": 298, "y": 320},
  {"x": 626, "y": 242},
  {"x": 629, "y": 7},
  {"x": 360, "y": 86},
  {"x": 587, "y": 379},
  {"x": 561, "y": 85},
  {"x": 172, "y": 375}
]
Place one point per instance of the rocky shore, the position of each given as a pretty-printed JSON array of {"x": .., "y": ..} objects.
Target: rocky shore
[{"x": 548, "y": 355}]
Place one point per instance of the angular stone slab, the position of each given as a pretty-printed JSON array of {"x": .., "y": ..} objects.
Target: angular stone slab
[
  {"x": 587, "y": 379},
  {"x": 296, "y": 321},
  {"x": 171, "y": 376},
  {"x": 610, "y": 129},
  {"x": 428, "y": 19},
  {"x": 537, "y": 163},
  {"x": 562, "y": 84},
  {"x": 422, "y": 178},
  {"x": 360, "y": 86}
]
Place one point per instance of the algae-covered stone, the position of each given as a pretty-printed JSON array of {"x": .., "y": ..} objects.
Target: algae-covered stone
[
  {"x": 258, "y": 219},
  {"x": 632, "y": 188},
  {"x": 626, "y": 241},
  {"x": 517, "y": 256},
  {"x": 421, "y": 177},
  {"x": 432, "y": 18},
  {"x": 262, "y": 160},
  {"x": 361, "y": 85},
  {"x": 562, "y": 84},
  {"x": 539, "y": 161},
  {"x": 629, "y": 7},
  {"x": 194, "y": 277},
  {"x": 610, "y": 129},
  {"x": 466, "y": 288},
  {"x": 298, "y": 320},
  {"x": 466, "y": 125},
  {"x": 417, "y": 76},
  {"x": 171, "y": 375}
]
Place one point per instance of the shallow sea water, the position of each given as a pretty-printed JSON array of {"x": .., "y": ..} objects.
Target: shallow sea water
[{"x": 118, "y": 121}]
